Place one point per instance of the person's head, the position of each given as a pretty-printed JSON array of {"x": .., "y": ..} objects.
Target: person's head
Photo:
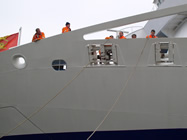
[
  {"x": 133, "y": 35},
  {"x": 120, "y": 34},
  {"x": 38, "y": 31},
  {"x": 152, "y": 32},
  {"x": 67, "y": 24},
  {"x": 111, "y": 36}
]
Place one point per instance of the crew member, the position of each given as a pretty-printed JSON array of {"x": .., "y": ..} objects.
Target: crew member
[
  {"x": 133, "y": 36},
  {"x": 38, "y": 35},
  {"x": 67, "y": 28},
  {"x": 110, "y": 37},
  {"x": 152, "y": 35},
  {"x": 121, "y": 35}
]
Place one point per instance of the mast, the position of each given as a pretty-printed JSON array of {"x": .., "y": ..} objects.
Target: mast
[{"x": 19, "y": 38}]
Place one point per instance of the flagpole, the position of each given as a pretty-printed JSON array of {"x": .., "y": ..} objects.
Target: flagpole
[{"x": 19, "y": 38}]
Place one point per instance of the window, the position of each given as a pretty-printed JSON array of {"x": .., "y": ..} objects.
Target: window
[
  {"x": 102, "y": 54},
  {"x": 59, "y": 65},
  {"x": 164, "y": 53},
  {"x": 19, "y": 61}
]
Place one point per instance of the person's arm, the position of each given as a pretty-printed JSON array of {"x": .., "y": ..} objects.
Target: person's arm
[
  {"x": 33, "y": 39},
  {"x": 62, "y": 30},
  {"x": 43, "y": 35}
]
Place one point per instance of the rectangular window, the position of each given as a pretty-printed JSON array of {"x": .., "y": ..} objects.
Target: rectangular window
[
  {"x": 102, "y": 54},
  {"x": 164, "y": 53}
]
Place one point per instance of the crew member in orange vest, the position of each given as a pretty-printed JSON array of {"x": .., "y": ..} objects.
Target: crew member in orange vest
[
  {"x": 152, "y": 35},
  {"x": 67, "y": 28},
  {"x": 38, "y": 35},
  {"x": 121, "y": 35},
  {"x": 110, "y": 37}
]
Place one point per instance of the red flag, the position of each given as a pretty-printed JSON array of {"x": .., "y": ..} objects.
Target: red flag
[{"x": 9, "y": 41}]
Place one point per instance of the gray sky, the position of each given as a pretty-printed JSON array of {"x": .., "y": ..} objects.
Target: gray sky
[{"x": 51, "y": 15}]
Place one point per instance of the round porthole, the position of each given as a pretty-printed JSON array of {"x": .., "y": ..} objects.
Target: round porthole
[
  {"x": 19, "y": 61},
  {"x": 59, "y": 65}
]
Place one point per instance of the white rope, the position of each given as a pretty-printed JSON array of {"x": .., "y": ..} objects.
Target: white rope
[
  {"x": 117, "y": 99},
  {"x": 43, "y": 106},
  {"x": 38, "y": 110}
]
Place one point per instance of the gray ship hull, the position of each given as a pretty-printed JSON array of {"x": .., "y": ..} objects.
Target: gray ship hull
[{"x": 133, "y": 95}]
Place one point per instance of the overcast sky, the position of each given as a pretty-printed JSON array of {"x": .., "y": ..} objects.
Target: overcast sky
[{"x": 51, "y": 15}]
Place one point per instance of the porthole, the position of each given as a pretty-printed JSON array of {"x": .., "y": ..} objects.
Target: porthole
[
  {"x": 19, "y": 61},
  {"x": 59, "y": 65}
]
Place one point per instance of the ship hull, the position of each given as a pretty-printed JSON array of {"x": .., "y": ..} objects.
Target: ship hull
[{"x": 164, "y": 134}]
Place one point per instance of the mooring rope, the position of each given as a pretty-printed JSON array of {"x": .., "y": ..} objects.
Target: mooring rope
[
  {"x": 43, "y": 106},
  {"x": 118, "y": 97}
]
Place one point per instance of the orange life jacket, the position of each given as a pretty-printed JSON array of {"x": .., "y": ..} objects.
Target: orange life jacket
[
  {"x": 150, "y": 36},
  {"x": 108, "y": 38},
  {"x": 38, "y": 37},
  {"x": 65, "y": 29},
  {"x": 122, "y": 37}
]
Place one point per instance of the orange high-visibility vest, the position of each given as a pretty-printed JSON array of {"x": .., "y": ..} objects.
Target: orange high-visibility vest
[
  {"x": 65, "y": 29},
  {"x": 38, "y": 37},
  {"x": 150, "y": 36},
  {"x": 122, "y": 37},
  {"x": 108, "y": 38}
]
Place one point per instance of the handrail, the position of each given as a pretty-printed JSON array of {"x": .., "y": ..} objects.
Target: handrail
[{"x": 130, "y": 20}]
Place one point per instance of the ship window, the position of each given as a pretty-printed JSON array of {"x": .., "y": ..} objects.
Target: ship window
[
  {"x": 59, "y": 65},
  {"x": 19, "y": 61},
  {"x": 164, "y": 53},
  {"x": 102, "y": 54}
]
